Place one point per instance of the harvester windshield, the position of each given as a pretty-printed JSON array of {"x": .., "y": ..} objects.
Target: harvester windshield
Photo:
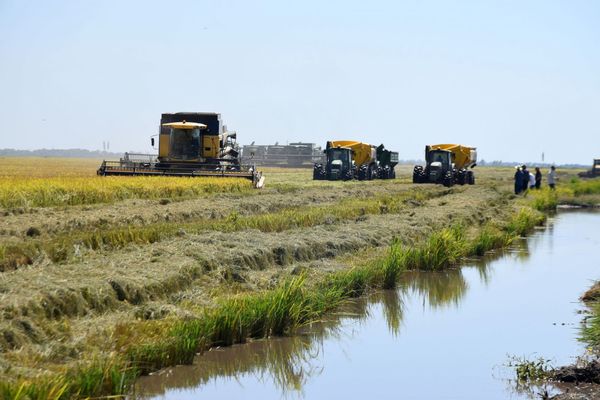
[{"x": 184, "y": 143}]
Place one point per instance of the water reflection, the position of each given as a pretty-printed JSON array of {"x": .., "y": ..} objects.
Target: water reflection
[{"x": 290, "y": 362}]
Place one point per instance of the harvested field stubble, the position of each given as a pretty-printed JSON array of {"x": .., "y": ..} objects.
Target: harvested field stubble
[{"x": 62, "y": 247}]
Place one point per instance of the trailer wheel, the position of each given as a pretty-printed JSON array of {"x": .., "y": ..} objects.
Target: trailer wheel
[
  {"x": 371, "y": 172},
  {"x": 470, "y": 178}
]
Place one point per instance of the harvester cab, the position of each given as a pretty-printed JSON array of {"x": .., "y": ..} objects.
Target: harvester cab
[
  {"x": 190, "y": 144},
  {"x": 447, "y": 164}
]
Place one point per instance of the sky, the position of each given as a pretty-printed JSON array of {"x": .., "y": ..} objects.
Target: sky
[{"x": 513, "y": 78}]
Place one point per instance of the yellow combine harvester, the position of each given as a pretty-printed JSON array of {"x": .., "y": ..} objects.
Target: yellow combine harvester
[
  {"x": 189, "y": 144},
  {"x": 447, "y": 164},
  {"x": 348, "y": 159}
]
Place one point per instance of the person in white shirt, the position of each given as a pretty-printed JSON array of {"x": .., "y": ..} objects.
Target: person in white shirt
[
  {"x": 552, "y": 178},
  {"x": 531, "y": 181}
]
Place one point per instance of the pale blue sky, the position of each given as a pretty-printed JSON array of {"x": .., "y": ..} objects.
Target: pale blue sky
[{"x": 513, "y": 78}]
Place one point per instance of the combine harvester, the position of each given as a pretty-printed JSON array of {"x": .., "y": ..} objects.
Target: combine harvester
[
  {"x": 189, "y": 144},
  {"x": 592, "y": 173},
  {"x": 346, "y": 160},
  {"x": 447, "y": 164}
]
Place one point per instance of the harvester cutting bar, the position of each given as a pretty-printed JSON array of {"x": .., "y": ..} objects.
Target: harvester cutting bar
[{"x": 206, "y": 170}]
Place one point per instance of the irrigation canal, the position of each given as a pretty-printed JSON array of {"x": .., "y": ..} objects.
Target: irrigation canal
[{"x": 446, "y": 335}]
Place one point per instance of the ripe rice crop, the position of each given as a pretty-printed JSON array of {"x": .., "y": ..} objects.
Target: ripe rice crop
[
  {"x": 47, "y": 182},
  {"x": 48, "y": 192}
]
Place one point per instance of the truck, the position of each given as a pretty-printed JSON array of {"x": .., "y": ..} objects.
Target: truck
[
  {"x": 348, "y": 159},
  {"x": 447, "y": 164}
]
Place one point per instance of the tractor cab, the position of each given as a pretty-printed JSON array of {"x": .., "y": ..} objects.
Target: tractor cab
[
  {"x": 339, "y": 162},
  {"x": 439, "y": 162}
]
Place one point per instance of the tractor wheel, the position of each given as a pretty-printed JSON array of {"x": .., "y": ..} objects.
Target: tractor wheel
[
  {"x": 418, "y": 174},
  {"x": 318, "y": 173},
  {"x": 362, "y": 173},
  {"x": 461, "y": 177},
  {"x": 448, "y": 179}
]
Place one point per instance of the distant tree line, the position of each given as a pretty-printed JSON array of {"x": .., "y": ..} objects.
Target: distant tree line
[{"x": 69, "y": 153}]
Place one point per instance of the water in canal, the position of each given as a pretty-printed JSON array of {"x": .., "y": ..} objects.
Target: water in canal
[{"x": 439, "y": 336}]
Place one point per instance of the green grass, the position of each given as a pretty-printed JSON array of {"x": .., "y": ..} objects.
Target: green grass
[
  {"x": 590, "y": 333},
  {"x": 544, "y": 199},
  {"x": 582, "y": 187},
  {"x": 524, "y": 221},
  {"x": 99, "y": 378}
]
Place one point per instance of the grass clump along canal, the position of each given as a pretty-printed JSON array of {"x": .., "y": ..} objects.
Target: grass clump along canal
[{"x": 101, "y": 299}]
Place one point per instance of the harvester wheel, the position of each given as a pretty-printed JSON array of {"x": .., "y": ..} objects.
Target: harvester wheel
[{"x": 392, "y": 173}]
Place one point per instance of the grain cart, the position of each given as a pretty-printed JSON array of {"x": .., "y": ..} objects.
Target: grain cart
[
  {"x": 347, "y": 159},
  {"x": 189, "y": 144},
  {"x": 447, "y": 164}
]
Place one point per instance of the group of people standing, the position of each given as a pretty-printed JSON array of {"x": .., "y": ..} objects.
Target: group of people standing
[{"x": 525, "y": 180}]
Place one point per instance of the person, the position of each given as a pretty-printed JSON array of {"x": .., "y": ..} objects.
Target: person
[
  {"x": 525, "y": 178},
  {"x": 538, "y": 178},
  {"x": 552, "y": 178},
  {"x": 518, "y": 179},
  {"x": 531, "y": 181}
]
